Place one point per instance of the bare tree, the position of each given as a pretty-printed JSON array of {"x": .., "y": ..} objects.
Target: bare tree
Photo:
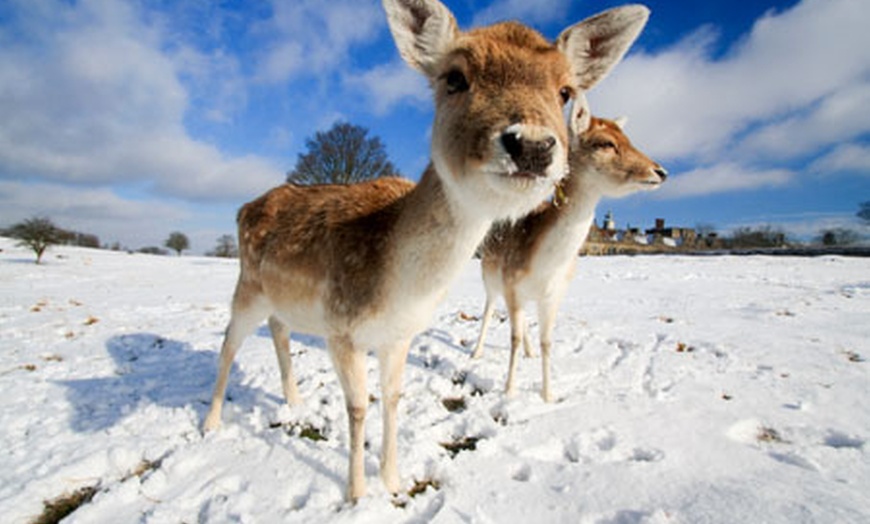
[
  {"x": 37, "y": 233},
  {"x": 342, "y": 155},
  {"x": 226, "y": 247},
  {"x": 864, "y": 212},
  {"x": 838, "y": 236},
  {"x": 177, "y": 242}
]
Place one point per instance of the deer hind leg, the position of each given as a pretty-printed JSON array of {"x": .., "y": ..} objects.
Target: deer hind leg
[
  {"x": 546, "y": 320},
  {"x": 528, "y": 350},
  {"x": 484, "y": 325},
  {"x": 281, "y": 338},
  {"x": 392, "y": 366},
  {"x": 247, "y": 313},
  {"x": 350, "y": 366},
  {"x": 518, "y": 324}
]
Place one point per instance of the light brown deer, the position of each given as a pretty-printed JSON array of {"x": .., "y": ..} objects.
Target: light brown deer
[
  {"x": 365, "y": 265},
  {"x": 532, "y": 259}
]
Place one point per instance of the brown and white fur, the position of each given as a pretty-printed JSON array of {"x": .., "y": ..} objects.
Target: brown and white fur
[
  {"x": 531, "y": 260},
  {"x": 364, "y": 265}
]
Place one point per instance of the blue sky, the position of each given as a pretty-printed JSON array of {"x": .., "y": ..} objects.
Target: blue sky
[{"x": 132, "y": 119}]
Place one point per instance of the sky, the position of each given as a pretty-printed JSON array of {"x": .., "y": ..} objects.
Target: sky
[{"x": 132, "y": 119}]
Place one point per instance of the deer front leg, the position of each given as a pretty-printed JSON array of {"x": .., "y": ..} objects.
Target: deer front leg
[
  {"x": 392, "y": 366},
  {"x": 546, "y": 320},
  {"x": 484, "y": 325},
  {"x": 517, "y": 319},
  {"x": 281, "y": 339},
  {"x": 350, "y": 366}
]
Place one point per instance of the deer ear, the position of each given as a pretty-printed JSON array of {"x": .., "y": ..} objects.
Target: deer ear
[
  {"x": 581, "y": 118},
  {"x": 595, "y": 45},
  {"x": 620, "y": 121},
  {"x": 423, "y": 31}
]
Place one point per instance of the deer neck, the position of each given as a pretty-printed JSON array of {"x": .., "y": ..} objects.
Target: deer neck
[
  {"x": 435, "y": 237},
  {"x": 576, "y": 211}
]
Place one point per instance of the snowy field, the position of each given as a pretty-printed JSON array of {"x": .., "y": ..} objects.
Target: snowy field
[{"x": 689, "y": 390}]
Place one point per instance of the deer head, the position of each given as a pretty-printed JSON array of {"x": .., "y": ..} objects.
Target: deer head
[{"x": 499, "y": 140}]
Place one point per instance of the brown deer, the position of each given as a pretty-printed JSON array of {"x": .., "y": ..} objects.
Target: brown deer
[
  {"x": 365, "y": 265},
  {"x": 532, "y": 259}
]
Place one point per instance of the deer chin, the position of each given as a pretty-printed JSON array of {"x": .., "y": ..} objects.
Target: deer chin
[{"x": 649, "y": 185}]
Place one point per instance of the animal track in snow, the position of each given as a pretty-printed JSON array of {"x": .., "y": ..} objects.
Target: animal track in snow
[
  {"x": 838, "y": 440},
  {"x": 602, "y": 445}
]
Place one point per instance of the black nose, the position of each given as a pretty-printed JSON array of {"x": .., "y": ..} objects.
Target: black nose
[
  {"x": 533, "y": 156},
  {"x": 661, "y": 172}
]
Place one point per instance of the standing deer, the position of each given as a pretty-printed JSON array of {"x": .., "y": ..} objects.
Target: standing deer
[
  {"x": 531, "y": 260},
  {"x": 365, "y": 265}
]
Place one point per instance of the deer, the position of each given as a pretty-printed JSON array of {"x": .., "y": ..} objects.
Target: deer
[
  {"x": 532, "y": 259},
  {"x": 364, "y": 265}
]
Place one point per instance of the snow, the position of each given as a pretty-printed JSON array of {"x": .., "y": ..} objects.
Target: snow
[{"x": 709, "y": 389}]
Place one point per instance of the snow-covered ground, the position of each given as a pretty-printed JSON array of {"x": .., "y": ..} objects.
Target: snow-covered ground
[{"x": 689, "y": 390}]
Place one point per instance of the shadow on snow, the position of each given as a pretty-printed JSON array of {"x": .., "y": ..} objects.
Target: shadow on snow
[{"x": 150, "y": 369}]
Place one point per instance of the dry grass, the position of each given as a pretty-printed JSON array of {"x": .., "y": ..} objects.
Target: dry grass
[
  {"x": 454, "y": 404},
  {"x": 460, "y": 444},
  {"x": 56, "y": 510}
]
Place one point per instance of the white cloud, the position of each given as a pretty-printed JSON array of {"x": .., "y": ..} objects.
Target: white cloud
[
  {"x": 97, "y": 211},
  {"x": 721, "y": 178},
  {"x": 311, "y": 37},
  {"x": 849, "y": 158},
  {"x": 836, "y": 119},
  {"x": 389, "y": 84},
  {"x": 93, "y": 99},
  {"x": 685, "y": 104}
]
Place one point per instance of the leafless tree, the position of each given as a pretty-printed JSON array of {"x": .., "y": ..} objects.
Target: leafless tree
[{"x": 342, "y": 155}]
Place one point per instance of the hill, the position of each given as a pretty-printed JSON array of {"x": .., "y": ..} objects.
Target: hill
[{"x": 690, "y": 389}]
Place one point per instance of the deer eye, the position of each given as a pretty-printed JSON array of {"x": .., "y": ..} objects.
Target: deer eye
[
  {"x": 456, "y": 82},
  {"x": 604, "y": 144},
  {"x": 566, "y": 94}
]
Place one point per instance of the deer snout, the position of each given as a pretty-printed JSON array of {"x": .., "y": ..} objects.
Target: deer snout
[
  {"x": 661, "y": 172},
  {"x": 531, "y": 156}
]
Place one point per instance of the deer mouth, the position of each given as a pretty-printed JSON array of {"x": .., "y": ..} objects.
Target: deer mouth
[{"x": 527, "y": 175}]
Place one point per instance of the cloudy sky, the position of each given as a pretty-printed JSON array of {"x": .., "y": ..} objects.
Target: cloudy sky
[{"x": 130, "y": 119}]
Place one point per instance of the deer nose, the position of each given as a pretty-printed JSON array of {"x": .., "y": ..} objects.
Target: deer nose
[
  {"x": 661, "y": 172},
  {"x": 533, "y": 156}
]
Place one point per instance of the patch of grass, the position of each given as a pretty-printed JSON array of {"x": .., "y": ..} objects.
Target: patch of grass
[
  {"x": 468, "y": 318},
  {"x": 419, "y": 487},
  {"x": 454, "y": 404},
  {"x": 853, "y": 357},
  {"x": 770, "y": 435},
  {"x": 460, "y": 444},
  {"x": 56, "y": 510},
  {"x": 301, "y": 430},
  {"x": 311, "y": 433},
  {"x": 684, "y": 348},
  {"x": 143, "y": 468}
]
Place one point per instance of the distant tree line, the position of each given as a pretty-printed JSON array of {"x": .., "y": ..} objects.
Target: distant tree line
[{"x": 759, "y": 236}]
